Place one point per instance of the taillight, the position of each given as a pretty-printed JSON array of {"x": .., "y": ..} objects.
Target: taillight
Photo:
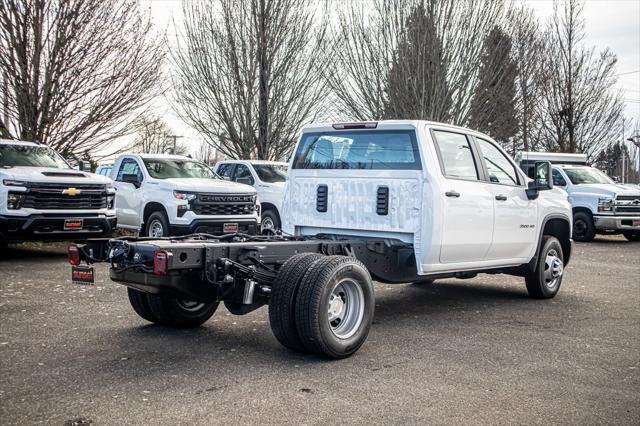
[
  {"x": 161, "y": 262},
  {"x": 73, "y": 254}
]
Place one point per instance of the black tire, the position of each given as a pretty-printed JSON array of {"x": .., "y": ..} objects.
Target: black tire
[
  {"x": 173, "y": 312},
  {"x": 423, "y": 282},
  {"x": 312, "y": 306},
  {"x": 271, "y": 217},
  {"x": 283, "y": 298},
  {"x": 632, "y": 235},
  {"x": 583, "y": 228},
  {"x": 540, "y": 284},
  {"x": 160, "y": 218},
  {"x": 140, "y": 304}
]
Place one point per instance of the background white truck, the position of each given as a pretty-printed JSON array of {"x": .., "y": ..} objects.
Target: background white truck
[
  {"x": 161, "y": 195},
  {"x": 398, "y": 201},
  {"x": 599, "y": 204},
  {"x": 267, "y": 177},
  {"x": 43, "y": 198}
]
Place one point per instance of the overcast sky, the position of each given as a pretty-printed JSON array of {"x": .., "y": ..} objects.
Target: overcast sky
[{"x": 613, "y": 24}]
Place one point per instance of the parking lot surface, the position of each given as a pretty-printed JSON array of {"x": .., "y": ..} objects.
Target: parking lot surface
[{"x": 457, "y": 351}]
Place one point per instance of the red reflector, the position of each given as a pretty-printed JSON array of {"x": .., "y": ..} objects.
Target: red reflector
[
  {"x": 362, "y": 125},
  {"x": 161, "y": 262},
  {"x": 73, "y": 254}
]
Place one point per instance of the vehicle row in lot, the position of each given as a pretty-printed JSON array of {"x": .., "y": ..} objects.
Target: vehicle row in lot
[
  {"x": 599, "y": 204},
  {"x": 395, "y": 201}
]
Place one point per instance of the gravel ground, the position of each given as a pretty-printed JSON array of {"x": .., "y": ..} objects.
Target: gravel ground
[{"x": 475, "y": 351}]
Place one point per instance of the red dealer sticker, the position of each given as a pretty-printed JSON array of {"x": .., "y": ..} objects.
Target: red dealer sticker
[
  {"x": 230, "y": 227},
  {"x": 82, "y": 275},
  {"x": 72, "y": 224}
]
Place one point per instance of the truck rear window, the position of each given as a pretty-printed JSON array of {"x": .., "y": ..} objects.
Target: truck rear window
[{"x": 361, "y": 149}]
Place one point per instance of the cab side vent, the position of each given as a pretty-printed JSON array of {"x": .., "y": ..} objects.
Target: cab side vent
[
  {"x": 322, "y": 194},
  {"x": 382, "y": 201}
]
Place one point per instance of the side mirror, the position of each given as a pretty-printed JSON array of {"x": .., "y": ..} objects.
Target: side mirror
[
  {"x": 132, "y": 179},
  {"x": 84, "y": 166},
  {"x": 541, "y": 179},
  {"x": 245, "y": 180}
]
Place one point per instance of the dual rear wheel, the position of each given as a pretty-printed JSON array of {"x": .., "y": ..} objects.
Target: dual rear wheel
[{"x": 322, "y": 305}]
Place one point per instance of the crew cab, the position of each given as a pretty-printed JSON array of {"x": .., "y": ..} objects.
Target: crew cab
[
  {"x": 43, "y": 198},
  {"x": 267, "y": 177},
  {"x": 159, "y": 195},
  {"x": 395, "y": 201},
  {"x": 600, "y": 205}
]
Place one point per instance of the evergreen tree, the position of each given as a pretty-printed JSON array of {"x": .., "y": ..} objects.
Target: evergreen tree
[
  {"x": 417, "y": 85},
  {"x": 492, "y": 109}
]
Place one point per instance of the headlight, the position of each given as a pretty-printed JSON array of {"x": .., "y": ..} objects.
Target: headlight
[
  {"x": 109, "y": 185},
  {"x": 184, "y": 195},
  {"x": 605, "y": 204},
  {"x": 9, "y": 182},
  {"x": 111, "y": 198}
]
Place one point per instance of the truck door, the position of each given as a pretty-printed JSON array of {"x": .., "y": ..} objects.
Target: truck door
[
  {"x": 514, "y": 229},
  {"x": 128, "y": 196},
  {"x": 467, "y": 222}
]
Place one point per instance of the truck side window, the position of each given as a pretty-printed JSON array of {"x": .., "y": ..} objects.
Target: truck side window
[
  {"x": 455, "y": 155},
  {"x": 500, "y": 169},
  {"x": 128, "y": 167},
  {"x": 243, "y": 173},
  {"x": 557, "y": 178},
  {"x": 226, "y": 170}
]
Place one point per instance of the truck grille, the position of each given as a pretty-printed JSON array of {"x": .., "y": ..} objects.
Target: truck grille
[
  {"x": 61, "y": 196},
  {"x": 627, "y": 205},
  {"x": 224, "y": 204}
]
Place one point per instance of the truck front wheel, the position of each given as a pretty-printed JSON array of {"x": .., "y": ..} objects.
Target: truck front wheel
[
  {"x": 180, "y": 313},
  {"x": 334, "y": 307},
  {"x": 157, "y": 225},
  {"x": 545, "y": 282},
  {"x": 583, "y": 228}
]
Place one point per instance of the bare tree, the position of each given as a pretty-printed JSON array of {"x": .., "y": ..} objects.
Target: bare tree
[
  {"x": 73, "y": 73},
  {"x": 415, "y": 87},
  {"x": 368, "y": 34},
  {"x": 582, "y": 109},
  {"x": 493, "y": 104},
  {"x": 207, "y": 154},
  {"x": 529, "y": 50},
  {"x": 248, "y": 73},
  {"x": 156, "y": 137}
]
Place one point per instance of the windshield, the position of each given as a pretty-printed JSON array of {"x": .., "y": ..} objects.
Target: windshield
[
  {"x": 271, "y": 173},
  {"x": 377, "y": 149},
  {"x": 582, "y": 175},
  {"x": 167, "y": 168},
  {"x": 30, "y": 156}
]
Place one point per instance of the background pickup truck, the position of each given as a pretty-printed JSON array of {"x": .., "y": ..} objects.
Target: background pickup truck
[
  {"x": 267, "y": 177},
  {"x": 161, "y": 195},
  {"x": 600, "y": 205},
  {"x": 43, "y": 198},
  {"x": 395, "y": 201}
]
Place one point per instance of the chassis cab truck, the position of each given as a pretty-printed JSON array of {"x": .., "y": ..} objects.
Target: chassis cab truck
[{"x": 394, "y": 201}]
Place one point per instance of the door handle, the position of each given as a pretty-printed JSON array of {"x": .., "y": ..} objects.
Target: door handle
[
  {"x": 501, "y": 197},
  {"x": 452, "y": 194}
]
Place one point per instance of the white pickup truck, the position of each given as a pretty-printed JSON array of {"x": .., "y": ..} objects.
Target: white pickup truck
[
  {"x": 396, "y": 201},
  {"x": 160, "y": 195},
  {"x": 600, "y": 205},
  {"x": 43, "y": 198},
  {"x": 267, "y": 177}
]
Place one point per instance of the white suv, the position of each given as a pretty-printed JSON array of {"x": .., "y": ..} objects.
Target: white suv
[
  {"x": 161, "y": 195},
  {"x": 268, "y": 177}
]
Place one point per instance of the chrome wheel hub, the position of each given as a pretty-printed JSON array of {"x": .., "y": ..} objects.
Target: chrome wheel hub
[
  {"x": 345, "y": 308},
  {"x": 553, "y": 268},
  {"x": 267, "y": 223},
  {"x": 156, "y": 230}
]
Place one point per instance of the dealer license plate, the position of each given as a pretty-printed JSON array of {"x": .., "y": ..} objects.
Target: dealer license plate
[
  {"x": 72, "y": 224},
  {"x": 636, "y": 223},
  {"x": 230, "y": 227},
  {"x": 83, "y": 275}
]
